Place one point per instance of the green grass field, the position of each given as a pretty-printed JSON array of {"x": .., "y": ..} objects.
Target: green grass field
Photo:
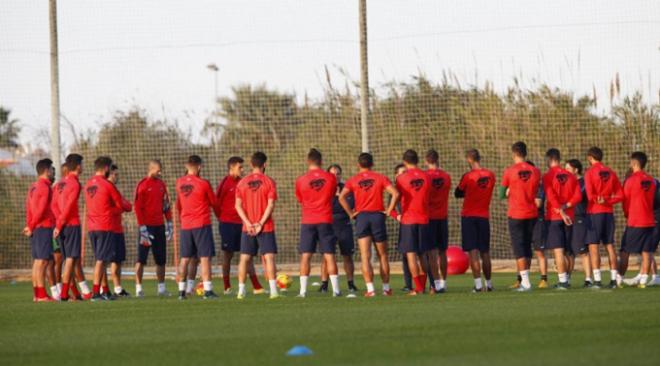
[{"x": 544, "y": 327}]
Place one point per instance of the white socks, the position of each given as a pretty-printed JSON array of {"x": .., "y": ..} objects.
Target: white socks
[
  {"x": 477, "y": 283},
  {"x": 563, "y": 277},
  {"x": 613, "y": 274},
  {"x": 438, "y": 285},
  {"x": 303, "y": 284},
  {"x": 443, "y": 283},
  {"x": 524, "y": 275},
  {"x": 83, "y": 287},
  {"x": 643, "y": 279},
  {"x": 386, "y": 286},
  {"x": 241, "y": 289},
  {"x": 370, "y": 287},
  {"x": 54, "y": 292},
  {"x": 489, "y": 284},
  {"x": 597, "y": 276},
  {"x": 138, "y": 288},
  {"x": 208, "y": 285},
  {"x": 334, "y": 280},
  {"x": 273, "y": 286},
  {"x": 190, "y": 286},
  {"x": 59, "y": 287},
  {"x": 182, "y": 286}
]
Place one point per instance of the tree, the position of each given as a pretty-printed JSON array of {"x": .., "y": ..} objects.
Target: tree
[{"x": 9, "y": 129}]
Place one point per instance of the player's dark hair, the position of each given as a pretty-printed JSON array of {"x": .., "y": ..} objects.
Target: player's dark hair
[
  {"x": 194, "y": 160},
  {"x": 102, "y": 163},
  {"x": 397, "y": 167},
  {"x": 595, "y": 153},
  {"x": 366, "y": 160},
  {"x": 473, "y": 154},
  {"x": 44, "y": 165},
  {"x": 411, "y": 157},
  {"x": 114, "y": 167},
  {"x": 553, "y": 154},
  {"x": 432, "y": 157},
  {"x": 233, "y": 161},
  {"x": 640, "y": 157},
  {"x": 314, "y": 156},
  {"x": 575, "y": 164},
  {"x": 335, "y": 166},
  {"x": 73, "y": 161},
  {"x": 258, "y": 159},
  {"x": 157, "y": 162},
  {"x": 519, "y": 148}
]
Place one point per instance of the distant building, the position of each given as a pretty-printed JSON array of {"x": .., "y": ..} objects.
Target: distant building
[{"x": 20, "y": 162}]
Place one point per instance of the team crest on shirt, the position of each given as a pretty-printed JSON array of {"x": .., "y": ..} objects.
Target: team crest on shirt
[
  {"x": 562, "y": 178},
  {"x": 524, "y": 175},
  {"x": 187, "y": 189},
  {"x": 604, "y": 175},
  {"x": 317, "y": 184},
  {"x": 438, "y": 183},
  {"x": 254, "y": 184},
  {"x": 482, "y": 182},
  {"x": 417, "y": 184},
  {"x": 60, "y": 186},
  {"x": 366, "y": 184},
  {"x": 91, "y": 191},
  {"x": 646, "y": 185}
]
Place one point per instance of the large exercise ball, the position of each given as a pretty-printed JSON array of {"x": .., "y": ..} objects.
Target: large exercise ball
[{"x": 457, "y": 261}]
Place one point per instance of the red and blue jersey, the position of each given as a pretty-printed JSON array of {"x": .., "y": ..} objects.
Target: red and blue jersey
[
  {"x": 315, "y": 191},
  {"x": 560, "y": 187},
  {"x": 477, "y": 186},
  {"x": 367, "y": 188},
  {"x": 415, "y": 187},
  {"x": 639, "y": 192},
  {"x": 225, "y": 195},
  {"x": 254, "y": 191},
  {"x": 601, "y": 181},
  {"x": 152, "y": 202},
  {"x": 439, "y": 196},
  {"x": 194, "y": 201},
  {"x": 522, "y": 179},
  {"x": 39, "y": 213},
  {"x": 103, "y": 203}
]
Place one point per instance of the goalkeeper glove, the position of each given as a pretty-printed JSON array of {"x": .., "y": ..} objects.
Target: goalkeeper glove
[
  {"x": 169, "y": 230},
  {"x": 145, "y": 237}
]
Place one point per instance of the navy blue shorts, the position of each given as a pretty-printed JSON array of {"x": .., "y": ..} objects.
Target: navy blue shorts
[
  {"x": 558, "y": 235},
  {"x": 70, "y": 238},
  {"x": 439, "y": 232},
  {"x": 120, "y": 248},
  {"x": 579, "y": 236},
  {"x": 103, "y": 244},
  {"x": 313, "y": 234},
  {"x": 371, "y": 224},
  {"x": 414, "y": 238},
  {"x": 158, "y": 246},
  {"x": 344, "y": 233},
  {"x": 263, "y": 243},
  {"x": 521, "y": 232},
  {"x": 656, "y": 237},
  {"x": 475, "y": 234},
  {"x": 42, "y": 243},
  {"x": 600, "y": 228},
  {"x": 197, "y": 242},
  {"x": 230, "y": 236},
  {"x": 637, "y": 240},
  {"x": 540, "y": 234}
]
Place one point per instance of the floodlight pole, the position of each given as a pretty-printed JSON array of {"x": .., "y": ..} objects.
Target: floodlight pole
[
  {"x": 364, "y": 77},
  {"x": 55, "y": 152}
]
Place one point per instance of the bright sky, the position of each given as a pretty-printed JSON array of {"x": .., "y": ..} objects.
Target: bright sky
[{"x": 153, "y": 53}]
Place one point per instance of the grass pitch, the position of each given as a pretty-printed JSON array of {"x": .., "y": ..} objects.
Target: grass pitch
[{"x": 544, "y": 327}]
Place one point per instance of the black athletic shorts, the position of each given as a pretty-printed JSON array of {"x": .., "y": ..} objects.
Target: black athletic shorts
[
  {"x": 312, "y": 235},
  {"x": 637, "y": 240},
  {"x": 344, "y": 233},
  {"x": 371, "y": 224},
  {"x": 439, "y": 232},
  {"x": 540, "y": 234},
  {"x": 559, "y": 235},
  {"x": 600, "y": 228},
  {"x": 230, "y": 236},
  {"x": 197, "y": 242},
  {"x": 414, "y": 238},
  {"x": 42, "y": 243},
  {"x": 103, "y": 244},
  {"x": 475, "y": 234},
  {"x": 158, "y": 246},
  {"x": 263, "y": 243},
  {"x": 70, "y": 238},
  {"x": 579, "y": 236},
  {"x": 521, "y": 232},
  {"x": 120, "y": 248}
]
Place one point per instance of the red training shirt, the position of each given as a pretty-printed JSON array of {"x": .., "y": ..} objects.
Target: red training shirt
[
  {"x": 225, "y": 195},
  {"x": 561, "y": 187},
  {"x": 152, "y": 201},
  {"x": 638, "y": 196},
  {"x": 38, "y": 212},
  {"x": 315, "y": 191},
  {"x": 254, "y": 191},
  {"x": 367, "y": 188},
  {"x": 69, "y": 193},
  {"x": 601, "y": 181},
  {"x": 414, "y": 186},
  {"x": 103, "y": 201},
  {"x": 439, "y": 199},
  {"x": 126, "y": 206},
  {"x": 194, "y": 200},
  {"x": 523, "y": 181},
  {"x": 56, "y": 190},
  {"x": 478, "y": 185}
]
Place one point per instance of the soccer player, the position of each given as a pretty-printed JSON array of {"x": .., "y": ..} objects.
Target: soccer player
[
  {"x": 315, "y": 191},
  {"x": 639, "y": 192},
  {"x": 39, "y": 223},
  {"x": 120, "y": 239},
  {"x": 369, "y": 213},
  {"x": 67, "y": 229},
  {"x": 476, "y": 190},
  {"x": 154, "y": 218},
  {"x": 579, "y": 229},
  {"x": 603, "y": 192},
  {"x": 521, "y": 180},
  {"x": 407, "y": 277},
  {"x": 539, "y": 236},
  {"x": 103, "y": 202},
  {"x": 343, "y": 228},
  {"x": 438, "y": 226},
  {"x": 255, "y": 201},
  {"x": 194, "y": 201},
  {"x": 414, "y": 187},
  {"x": 55, "y": 266},
  {"x": 230, "y": 223},
  {"x": 562, "y": 193}
]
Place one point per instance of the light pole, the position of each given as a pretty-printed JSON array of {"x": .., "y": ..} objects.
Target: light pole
[{"x": 213, "y": 67}]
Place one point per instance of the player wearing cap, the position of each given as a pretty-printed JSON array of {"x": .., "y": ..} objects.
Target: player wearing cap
[
  {"x": 521, "y": 181},
  {"x": 603, "y": 192},
  {"x": 369, "y": 213},
  {"x": 476, "y": 190},
  {"x": 255, "y": 201},
  {"x": 39, "y": 223},
  {"x": 194, "y": 201}
]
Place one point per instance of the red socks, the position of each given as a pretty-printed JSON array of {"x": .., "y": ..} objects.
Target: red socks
[
  {"x": 75, "y": 292},
  {"x": 40, "y": 292},
  {"x": 255, "y": 282},
  {"x": 106, "y": 290},
  {"x": 65, "y": 291},
  {"x": 419, "y": 284},
  {"x": 225, "y": 280},
  {"x": 96, "y": 289}
]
